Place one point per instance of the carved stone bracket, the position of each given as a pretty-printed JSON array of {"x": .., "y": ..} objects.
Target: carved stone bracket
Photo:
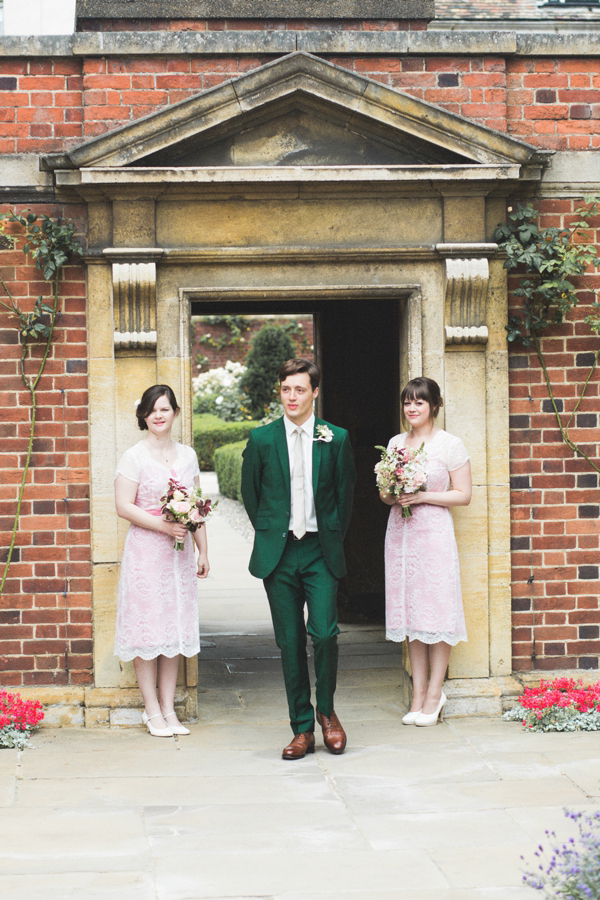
[
  {"x": 467, "y": 283},
  {"x": 134, "y": 293}
]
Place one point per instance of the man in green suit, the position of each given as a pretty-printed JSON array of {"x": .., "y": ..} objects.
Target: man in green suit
[{"x": 298, "y": 479}]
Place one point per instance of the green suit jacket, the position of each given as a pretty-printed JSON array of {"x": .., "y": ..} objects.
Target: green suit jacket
[{"x": 267, "y": 495}]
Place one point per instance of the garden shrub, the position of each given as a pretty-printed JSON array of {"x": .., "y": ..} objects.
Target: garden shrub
[
  {"x": 211, "y": 432},
  {"x": 271, "y": 346},
  {"x": 218, "y": 391},
  {"x": 228, "y": 466}
]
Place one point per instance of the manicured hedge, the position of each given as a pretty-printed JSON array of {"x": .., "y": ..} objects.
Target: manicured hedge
[
  {"x": 211, "y": 432},
  {"x": 228, "y": 466}
]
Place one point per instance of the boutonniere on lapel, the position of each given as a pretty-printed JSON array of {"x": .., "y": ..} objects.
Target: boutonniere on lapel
[{"x": 324, "y": 434}]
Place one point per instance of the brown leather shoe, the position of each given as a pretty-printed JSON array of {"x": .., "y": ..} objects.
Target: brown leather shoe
[
  {"x": 301, "y": 744},
  {"x": 334, "y": 736}
]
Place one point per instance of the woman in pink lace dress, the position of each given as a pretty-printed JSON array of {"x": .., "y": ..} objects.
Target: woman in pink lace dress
[
  {"x": 157, "y": 613},
  {"x": 422, "y": 577}
]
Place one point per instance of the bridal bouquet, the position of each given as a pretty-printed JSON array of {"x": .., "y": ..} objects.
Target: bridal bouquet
[
  {"x": 186, "y": 507},
  {"x": 401, "y": 470}
]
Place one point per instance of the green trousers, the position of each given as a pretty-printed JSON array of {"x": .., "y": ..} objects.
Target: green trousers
[{"x": 303, "y": 577}]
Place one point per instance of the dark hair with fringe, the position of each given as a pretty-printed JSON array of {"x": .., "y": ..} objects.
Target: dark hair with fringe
[
  {"x": 148, "y": 401},
  {"x": 422, "y": 388},
  {"x": 295, "y": 366}
]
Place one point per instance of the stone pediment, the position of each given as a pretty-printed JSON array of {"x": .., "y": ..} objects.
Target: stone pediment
[{"x": 299, "y": 111}]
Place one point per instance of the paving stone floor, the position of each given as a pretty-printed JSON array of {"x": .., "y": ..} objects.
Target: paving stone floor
[{"x": 440, "y": 813}]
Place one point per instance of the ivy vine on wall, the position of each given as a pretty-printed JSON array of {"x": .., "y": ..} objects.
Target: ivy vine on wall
[
  {"x": 547, "y": 261},
  {"x": 51, "y": 244}
]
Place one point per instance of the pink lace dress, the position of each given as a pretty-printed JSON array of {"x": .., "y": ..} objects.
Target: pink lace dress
[
  {"x": 422, "y": 576},
  {"x": 157, "y": 610}
]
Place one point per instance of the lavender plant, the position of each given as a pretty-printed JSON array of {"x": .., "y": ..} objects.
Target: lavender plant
[{"x": 570, "y": 870}]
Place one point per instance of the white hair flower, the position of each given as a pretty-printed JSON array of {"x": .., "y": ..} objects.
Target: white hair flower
[{"x": 136, "y": 403}]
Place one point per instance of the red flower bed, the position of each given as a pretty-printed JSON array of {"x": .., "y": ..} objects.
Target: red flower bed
[{"x": 17, "y": 719}]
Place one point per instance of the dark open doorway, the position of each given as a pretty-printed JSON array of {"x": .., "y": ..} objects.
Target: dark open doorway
[{"x": 357, "y": 345}]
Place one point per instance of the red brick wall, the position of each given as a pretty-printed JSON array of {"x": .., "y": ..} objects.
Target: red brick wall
[
  {"x": 40, "y": 105},
  {"x": 555, "y": 103},
  {"x": 45, "y": 609},
  {"x": 217, "y": 356},
  {"x": 119, "y": 91},
  {"x": 49, "y": 105},
  {"x": 474, "y": 87},
  {"x": 555, "y": 499}
]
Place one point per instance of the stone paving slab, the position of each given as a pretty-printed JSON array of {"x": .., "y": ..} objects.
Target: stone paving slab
[
  {"x": 73, "y": 839},
  {"x": 585, "y": 774},
  {"x": 168, "y": 790},
  {"x": 386, "y": 795},
  {"x": 133, "y": 885},
  {"x": 283, "y": 830},
  {"x": 493, "y": 863},
  {"x": 442, "y": 830},
  {"x": 415, "y": 764},
  {"x": 401, "y": 893},
  {"x": 323, "y": 872},
  {"x": 7, "y": 789},
  {"x": 8, "y": 761}
]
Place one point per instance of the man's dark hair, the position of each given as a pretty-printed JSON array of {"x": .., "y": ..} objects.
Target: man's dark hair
[{"x": 295, "y": 366}]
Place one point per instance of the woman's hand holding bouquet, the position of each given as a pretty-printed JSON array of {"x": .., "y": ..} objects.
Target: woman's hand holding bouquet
[
  {"x": 186, "y": 507},
  {"x": 401, "y": 470}
]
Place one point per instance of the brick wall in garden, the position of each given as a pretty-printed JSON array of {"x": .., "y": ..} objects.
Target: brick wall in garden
[
  {"x": 555, "y": 499},
  {"x": 45, "y": 609},
  {"x": 218, "y": 347}
]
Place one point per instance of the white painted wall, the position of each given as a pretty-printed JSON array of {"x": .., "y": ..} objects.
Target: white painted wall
[{"x": 39, "y": 16}]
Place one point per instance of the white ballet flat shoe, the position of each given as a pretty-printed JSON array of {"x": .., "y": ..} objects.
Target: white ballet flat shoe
[
  {"x": 176, "y": 729},
  {"x": 411, "y": 717},
  {"x": 431, "y": 718},
  {"x": 155, "y": 732}
]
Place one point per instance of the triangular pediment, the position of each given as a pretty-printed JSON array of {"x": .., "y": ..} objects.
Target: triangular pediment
[{"x": 299, "y": 111}]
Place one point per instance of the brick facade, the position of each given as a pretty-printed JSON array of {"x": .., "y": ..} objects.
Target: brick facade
[
  {"x": 48, "y": 105},
  {"x": 554, "y": 103},
  {"x": 554, "y": 494},
  {"x": 45, "y": 610}
]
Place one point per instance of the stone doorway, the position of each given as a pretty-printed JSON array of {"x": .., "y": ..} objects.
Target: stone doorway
[{"x": 357, "y": 345}]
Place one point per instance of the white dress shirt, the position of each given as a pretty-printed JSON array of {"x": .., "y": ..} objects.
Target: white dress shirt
[{"x": 308, "y": 430}]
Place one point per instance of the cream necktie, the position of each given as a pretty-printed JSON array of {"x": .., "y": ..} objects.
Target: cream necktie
[{"x": 299, "y": 527}]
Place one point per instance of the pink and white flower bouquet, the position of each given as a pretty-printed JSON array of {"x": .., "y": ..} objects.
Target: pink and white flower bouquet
[
  {"x": 401, "y": 470},
  {"x": 186, "y": 507}
]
